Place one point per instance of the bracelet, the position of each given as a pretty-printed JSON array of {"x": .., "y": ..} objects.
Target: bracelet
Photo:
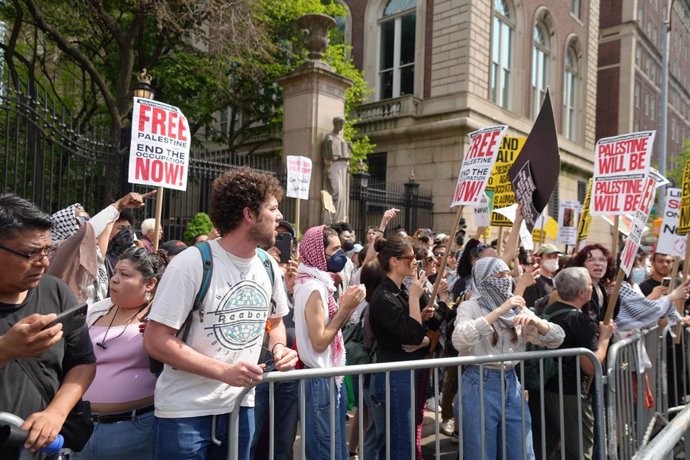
[
  {"x": 275, "y": 345},
  {"x": 378, "y": 230}
]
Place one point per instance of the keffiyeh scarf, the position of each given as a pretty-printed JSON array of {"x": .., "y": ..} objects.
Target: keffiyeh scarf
[
  {"x": 313, "y": 265},
  {"x": 493, "y": 292},
  {"x": 64, "y": 223}
]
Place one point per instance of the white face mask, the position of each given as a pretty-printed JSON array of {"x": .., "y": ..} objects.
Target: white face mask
[{"x": 550, "y": 265}]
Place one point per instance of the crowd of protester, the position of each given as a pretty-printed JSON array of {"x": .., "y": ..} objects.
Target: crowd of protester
[{"x": 175, "y": 338}]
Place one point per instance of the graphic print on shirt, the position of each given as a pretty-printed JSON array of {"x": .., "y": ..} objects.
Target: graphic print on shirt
[{"x": 241, "y": 315}]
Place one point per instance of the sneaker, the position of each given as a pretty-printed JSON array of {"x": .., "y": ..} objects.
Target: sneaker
[
  {"x": 448, "y": 427},
  {"x": 432, "y": 405},
  {"x": 455, "y": 438}
]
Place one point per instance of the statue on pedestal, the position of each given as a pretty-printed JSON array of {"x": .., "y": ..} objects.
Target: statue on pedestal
[{"x": 336, "y": 153}]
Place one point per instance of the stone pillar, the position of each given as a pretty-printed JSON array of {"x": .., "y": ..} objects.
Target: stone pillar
[{"x": 312, "y": 96}]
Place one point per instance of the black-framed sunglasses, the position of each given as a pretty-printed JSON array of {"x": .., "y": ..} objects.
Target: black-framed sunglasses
[{"x": 31, "y": 256}]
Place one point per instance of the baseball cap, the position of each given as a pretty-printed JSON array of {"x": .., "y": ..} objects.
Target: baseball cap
[
  {"x": 287, "y": 226},
  {"x": 548, "y": 248},
  {"x": 173, "y": 247}
]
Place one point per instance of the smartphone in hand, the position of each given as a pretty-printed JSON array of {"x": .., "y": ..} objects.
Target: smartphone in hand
[
  {"x": 666, "y": 281},
  {"x": 284, "y": 243},
  {"x": 71, "y": 319}
]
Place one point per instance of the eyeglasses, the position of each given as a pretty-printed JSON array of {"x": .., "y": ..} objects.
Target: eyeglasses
[
  {"x": 32, "y": 256},
  {"x": 406, "y": 257}
]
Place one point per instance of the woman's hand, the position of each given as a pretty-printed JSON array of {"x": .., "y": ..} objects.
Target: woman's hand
[
  {"x": 411, "y": 348},
  {"x": 532, "y": 320},
  {"x": 681, "y": 292},
  {"x": 526, "y": 280},
  {"x": 352, "y": 297},
  {"x": 515, "y": 302},
  {"x": 418, "y": 284}
]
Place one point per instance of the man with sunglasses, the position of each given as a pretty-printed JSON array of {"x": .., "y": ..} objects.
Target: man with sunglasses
[{"x": 29, "y": 302}]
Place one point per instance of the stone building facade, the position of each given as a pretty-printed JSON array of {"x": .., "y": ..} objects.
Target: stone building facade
[
  {"x": 443, "y": 68},
  {"x": 630, "y": 69}
]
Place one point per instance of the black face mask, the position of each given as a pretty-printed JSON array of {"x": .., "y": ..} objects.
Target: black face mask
[
  {"x": 348, "y": 245},
  {"x": 121, "y": 242}
]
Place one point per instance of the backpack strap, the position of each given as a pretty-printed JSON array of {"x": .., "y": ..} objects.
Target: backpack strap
[
  {"x": 207, "y": 267},
  {"x": 264, "y": 256},
  {"x": 558, "y": 312}
]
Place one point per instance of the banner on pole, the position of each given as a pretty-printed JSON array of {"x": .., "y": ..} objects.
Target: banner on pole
[
  {"x": 477, "y": 165},
  {"x": 621, "y": 169},
  {"x": 568, "y": 215},
  {"x": 499, "y": 182},
  {"x": 298, "y": 177},
  {"x": 684, "y": 219},
  {"x": 670, "y": 242},
  {"x": 585, "y": 218},
  {"x": 535, "y": 172},
  {"x": 632, "y": 244},
  {"x": 159, "y": 150}
]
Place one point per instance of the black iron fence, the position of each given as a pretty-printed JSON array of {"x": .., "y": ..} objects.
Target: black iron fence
[{"x": 55, "y": 160}]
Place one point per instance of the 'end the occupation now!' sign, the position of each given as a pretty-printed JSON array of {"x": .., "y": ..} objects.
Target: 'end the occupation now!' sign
[
  {"x": 159, "y": 150},
  {"x": 621, "y": 166},
  {"x": 477, "y": 165}
]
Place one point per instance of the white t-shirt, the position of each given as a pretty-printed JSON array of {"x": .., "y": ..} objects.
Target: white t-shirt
[
  {"x": 235, "y": 311},
  {"x": 307, "y": 354}
]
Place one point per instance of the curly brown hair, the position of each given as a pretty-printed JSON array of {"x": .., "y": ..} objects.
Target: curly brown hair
[
  {"x": 240, "y": 188},
  {"x": 578, "y": 260}
]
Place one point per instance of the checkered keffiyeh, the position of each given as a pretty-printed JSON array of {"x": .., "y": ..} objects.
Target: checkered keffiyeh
[
  {"x": 493, "y": 292},
  {"x": 64, "y": 223},
  {"x": 313, "y": 265}
]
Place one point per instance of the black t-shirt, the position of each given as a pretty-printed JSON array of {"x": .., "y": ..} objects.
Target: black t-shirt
[
  {"x": 543, "y": 287},
  {"x": 648, "y": 285},
  {"x": 18, "y": 395},
  {"x": 580, "y": 331},
  {"x": 391, "y": 324}
]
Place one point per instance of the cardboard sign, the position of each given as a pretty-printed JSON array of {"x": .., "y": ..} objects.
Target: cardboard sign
[
  {"x": 585, "y": 218},
  {"x": 541, "y": 152},
  {"x": 684, "y": 220},
  {"x": 327, "y": 201},
  {"x": 526, "y": 237},
  {"x": 499, "y": 182},
  {"x": 621, "y": 169},
  {"x": 477, "y": 165},
  {"x": 638, "y": 226},
  {"x": 159, "y": 150},
  {"x": 298, "y": 177},
  {"x": 568, "y": 216},
  {"x": 482, "y": 213},
  {"x": 670, "y": 242}
]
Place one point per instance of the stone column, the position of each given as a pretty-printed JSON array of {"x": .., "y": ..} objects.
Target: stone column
[{"x": 312, "y": 96}]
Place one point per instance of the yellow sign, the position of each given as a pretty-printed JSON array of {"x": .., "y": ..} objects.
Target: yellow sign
[
  {"x": 499, "y": 182},
  {"x": 585, "y": 217},
  {"x": 684, "y": 220}
]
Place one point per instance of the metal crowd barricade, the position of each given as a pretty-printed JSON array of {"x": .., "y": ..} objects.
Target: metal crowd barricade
[
  {"x": 677, "y": 377},
  {"x": 434, "y": 364}
]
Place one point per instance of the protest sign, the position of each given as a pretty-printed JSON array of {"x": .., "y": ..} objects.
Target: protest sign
[
  {"x": 477, "y": 165},
  {"x": 670, "y": 242},
  {"x": 298, "y": 177},
  {"x": 526, "y": 237},
  {"x": 621, "y": 168},
  {"x": 534, "y": 185},
  {"x": 159, "y": 150},
  {"x": 638, "y": 226},
  {"x": 568, "y": 215},
  {"x": 499, "y": 182},
  {"x": 658, "y": 178},
  {"x": 482, "y": 212},
  {"x": 684, "y": 219},
  {"x": 585, "y": 218}
]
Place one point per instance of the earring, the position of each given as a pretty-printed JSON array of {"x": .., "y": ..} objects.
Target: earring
[{"x": 148, "y": 296}]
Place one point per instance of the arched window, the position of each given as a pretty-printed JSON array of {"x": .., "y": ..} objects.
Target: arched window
[
  {"x": 570, "y": 73},
  {"x": 397, "y": 49},
  {"x": 501, "y": 53},
  {"x": 540, "y": 68}
]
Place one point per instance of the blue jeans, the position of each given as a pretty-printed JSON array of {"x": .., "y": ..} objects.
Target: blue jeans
[
  {"x": 130, "y": 439},
  {"x": 286, "y": 415},
  {"x": 191, "y": 438},
  {"x": 515, "y": 416},
  {"x": 402, "y": 431},
  {"x": 317, "y": 424}
]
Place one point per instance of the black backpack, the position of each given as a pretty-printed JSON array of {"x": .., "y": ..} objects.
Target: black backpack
[{"x": 532, "y": 381}]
